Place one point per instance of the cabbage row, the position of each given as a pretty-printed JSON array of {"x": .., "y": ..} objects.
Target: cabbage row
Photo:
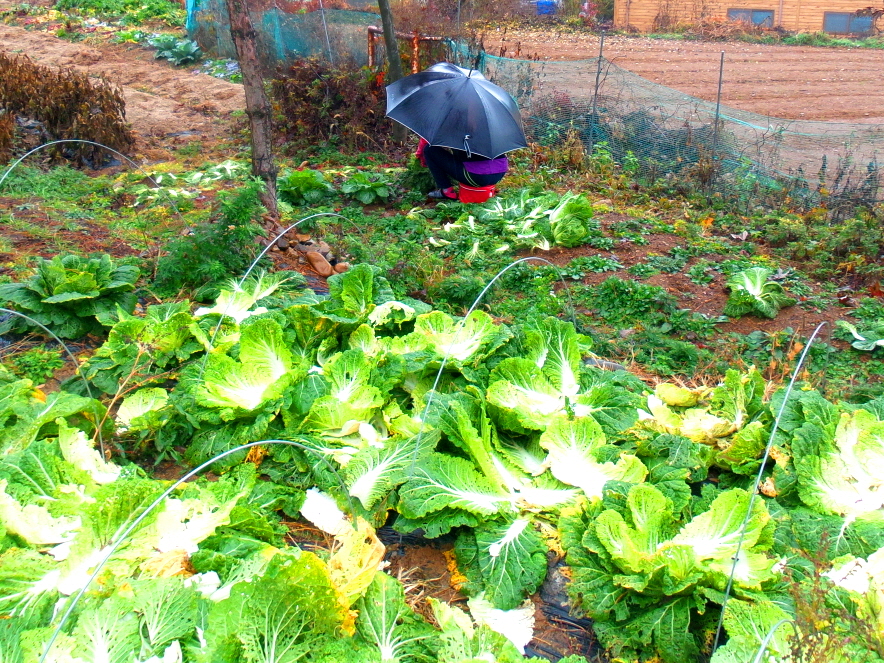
[{"x": 500, "y": 437}]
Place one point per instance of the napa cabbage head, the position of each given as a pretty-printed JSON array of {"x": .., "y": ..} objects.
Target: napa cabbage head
[
  {"x": 842, "y": 473},
  {"x": 264, "y": 369},
  {"x": 569, "y": 220}
]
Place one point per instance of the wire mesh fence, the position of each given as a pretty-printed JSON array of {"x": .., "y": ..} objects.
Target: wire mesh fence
[
  {"x": 752, "y": 158},
  {"x": 336, "y": 35},
  {"x": 756, "y": 158}
]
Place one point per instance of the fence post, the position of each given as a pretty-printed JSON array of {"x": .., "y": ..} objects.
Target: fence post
[
  {"x": 415, "y": 52},
  {"x": 714, "y": 170},
  {"x": 598, "y": 76},
  {"x": 331, "y": 58}
]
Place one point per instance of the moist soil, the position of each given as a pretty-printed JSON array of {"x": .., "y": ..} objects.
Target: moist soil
[{"x": 706, "y": 299}]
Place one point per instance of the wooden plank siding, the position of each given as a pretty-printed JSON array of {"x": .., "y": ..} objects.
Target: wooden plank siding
[{"x": 793, "y": 15}]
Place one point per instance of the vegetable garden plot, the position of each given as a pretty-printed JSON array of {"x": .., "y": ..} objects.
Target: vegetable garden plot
[{"x": 517, "y": 450}]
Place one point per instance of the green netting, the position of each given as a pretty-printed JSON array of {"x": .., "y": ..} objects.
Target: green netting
[
  {"x": 667, "y": 133},
  {"x": 332, "y": 34}
]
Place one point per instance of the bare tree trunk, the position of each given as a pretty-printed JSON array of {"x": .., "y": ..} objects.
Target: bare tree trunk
[
  {"x": 257, "y": 103},
  {"x": 394, "y": 62}
]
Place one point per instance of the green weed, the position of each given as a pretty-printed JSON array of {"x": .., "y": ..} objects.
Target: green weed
[
  {"x": 133, "y": 11},
  {"x": 667, "y": 356},
  {"x": 583, "y": 265},
  {"x": 214, "y": 251},
  {"x": 60, "y": 184},
  {"x": 617, "y": 301},
  {"x": 37, "y": 364}
]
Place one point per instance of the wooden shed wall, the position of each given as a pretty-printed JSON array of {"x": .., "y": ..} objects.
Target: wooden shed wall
[{"x": 796, "y": 15}]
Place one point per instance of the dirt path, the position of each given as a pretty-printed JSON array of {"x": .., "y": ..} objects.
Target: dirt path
[
  {"x": 794, "y": 82},
  {"x": 166, "y": 106}
]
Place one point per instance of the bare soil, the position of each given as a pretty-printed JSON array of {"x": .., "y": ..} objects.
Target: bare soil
[
  {"x": 793, "y": 82},
  {"x": 707, "y": 299},
  {"x": 167, "y": 106}
]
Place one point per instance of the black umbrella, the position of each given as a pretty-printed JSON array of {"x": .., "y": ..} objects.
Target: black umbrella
[{"x": 458, "y": 108}]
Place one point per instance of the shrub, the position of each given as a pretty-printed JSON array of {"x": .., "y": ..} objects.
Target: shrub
[
  {"x": 7, "y": 135},
  {"x": 69, "y": 104},
  {"x": 217, "y": 250},
  {"x": 320, "y": 102}
]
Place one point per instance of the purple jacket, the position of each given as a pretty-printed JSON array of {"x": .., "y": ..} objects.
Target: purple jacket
[{"x": 486, "y": 166}]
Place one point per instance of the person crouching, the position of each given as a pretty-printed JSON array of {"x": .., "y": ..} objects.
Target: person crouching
[{"x": 449, "y": 166}]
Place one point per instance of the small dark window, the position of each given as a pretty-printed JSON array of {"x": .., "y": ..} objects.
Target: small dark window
[
  {"x": 845, "y": 23},
  {"x": 760, "y": 17}
]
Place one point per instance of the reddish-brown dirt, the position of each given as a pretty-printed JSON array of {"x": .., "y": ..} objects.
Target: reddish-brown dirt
[{"x": 793, "y": 82}]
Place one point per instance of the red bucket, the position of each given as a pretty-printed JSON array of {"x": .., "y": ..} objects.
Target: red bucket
[{"x": 475, "y": 194}]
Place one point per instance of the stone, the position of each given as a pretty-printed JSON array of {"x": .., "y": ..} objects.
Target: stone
[
  {"x": 320, "y": 264},
  {"x": 342, "y": 267}
]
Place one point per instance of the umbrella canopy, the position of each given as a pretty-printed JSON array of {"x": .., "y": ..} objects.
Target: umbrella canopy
[{"x": 459, "y": 108}]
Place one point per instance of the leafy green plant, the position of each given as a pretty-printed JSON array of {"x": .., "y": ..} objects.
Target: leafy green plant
[
  {"x": 869, "y": 339},
  {"x": 70, "y": 295},
  {"x": 648, "y": 577},
  {"x": 177, "y": 51},
  {"x": 671, "y": 263},
  {"x": 643, "y": 270},
  {"x": 303, "y": 187},
  {"x": 214, "y": 251},
  {"x": 133, "y": 11},
  {"x": 753, "y": 293},
  {"x": 867, "y": 333},
  {"x": 569, "y": 220},
  {"x": 601, "y": 242},
  {"x": 367, "y": 187},
  {"x": 416, "y": 178},
  {"x": 580, "y": 266},
  {"x": 37, "y": 364},
  {"x": 621, "y": 301},
  {"x": 227, "y": 70},
  {"x": 701, "y": 273},
  {"x": 148, "y": 195},
  {"x": 131, "y": 37}
]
